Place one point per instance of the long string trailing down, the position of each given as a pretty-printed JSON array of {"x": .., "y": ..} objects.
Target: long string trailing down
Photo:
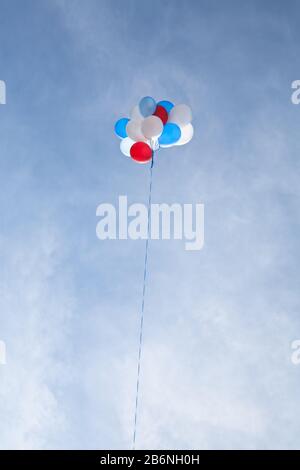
[{"x": 142, "y": 308}]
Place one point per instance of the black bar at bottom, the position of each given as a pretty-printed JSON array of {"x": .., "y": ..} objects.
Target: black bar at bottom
[{"x": 132, "y": 459}]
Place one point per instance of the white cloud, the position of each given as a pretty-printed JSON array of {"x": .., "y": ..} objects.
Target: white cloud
[{"x": 36, "y": 306}]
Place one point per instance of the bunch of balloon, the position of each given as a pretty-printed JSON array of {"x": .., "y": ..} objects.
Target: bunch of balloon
[{"x": 153, "y": 125}]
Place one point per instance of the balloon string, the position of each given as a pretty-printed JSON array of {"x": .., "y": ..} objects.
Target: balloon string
[{"x": 142, "y": 309}]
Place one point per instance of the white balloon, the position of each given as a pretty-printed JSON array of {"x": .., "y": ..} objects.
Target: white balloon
[
  {"x": 152, "y": 127},
  {"x": 125, "y": 146},
  {"x": 134, "y": 130},
  {"x": 136, "y": 114},
  {"x": 181, "y": 115},
  {"x": 187, "y": 133}
]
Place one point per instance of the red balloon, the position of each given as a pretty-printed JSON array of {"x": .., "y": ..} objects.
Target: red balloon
[
  {"x": 141, "y": 152},
  {"x": 162, "y": 113}
]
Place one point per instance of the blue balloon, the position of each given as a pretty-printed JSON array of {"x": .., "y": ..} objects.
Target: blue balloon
[
  {"x": 166, "y": 104},
  {"x": 170, "y": 135},
  {"x": 120, "y": 127},
  {"x": 147, "y": 106}
]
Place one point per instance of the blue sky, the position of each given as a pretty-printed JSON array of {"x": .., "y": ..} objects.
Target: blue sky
[{"x": 218, "y": 323}]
